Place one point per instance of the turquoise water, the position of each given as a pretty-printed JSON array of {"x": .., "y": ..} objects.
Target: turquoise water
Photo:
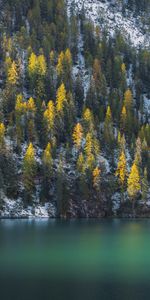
[{"x": 52, "y": 259}]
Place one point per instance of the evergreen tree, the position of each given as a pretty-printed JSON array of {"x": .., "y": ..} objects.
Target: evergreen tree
[
  {"x": 29, "y": 172},
  {"x": 145, "y": 187}
]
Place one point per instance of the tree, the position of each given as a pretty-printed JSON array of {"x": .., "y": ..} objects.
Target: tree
[
  {"x": 32, "y": 64},
  {"x": 41, "y": 65},
  {"x": 62, "y": 190},
  {"x": 123, "y": 119},
  {"x": 128, "y": 100},
  {"x": 49, "y": 118},
  {"x": 145, "y": 187},
  {"x": 2, "y": 134},
  {"x": 108, "y": 127},
  {"x": 121, "y": 171},
  {"x": 88, "y": 119},
  {"x": 77, "y": 135},
  {"x": 61, "y": 99},
  {"x": 47, "y": 171},
  {"x": 97, "y": 180},
  {"x": 29, "y": 171},
  {"x": 134, "y": 185},
  {"x": 13, "y": 74}
]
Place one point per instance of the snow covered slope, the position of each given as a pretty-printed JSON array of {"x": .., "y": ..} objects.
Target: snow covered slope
[{"x": 108, "y": 14}]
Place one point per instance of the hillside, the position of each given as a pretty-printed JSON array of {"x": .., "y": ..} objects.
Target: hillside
[{"x": 74, "y": 108}]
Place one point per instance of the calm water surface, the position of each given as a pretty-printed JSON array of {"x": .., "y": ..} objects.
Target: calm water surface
[{"x": 51, "y": 259}]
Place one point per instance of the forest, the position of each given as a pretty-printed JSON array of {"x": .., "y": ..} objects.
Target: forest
[{"x": 74, "y": 127}]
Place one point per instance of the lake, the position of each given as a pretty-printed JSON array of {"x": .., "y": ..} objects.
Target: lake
[{"x": 82, "y": 259}]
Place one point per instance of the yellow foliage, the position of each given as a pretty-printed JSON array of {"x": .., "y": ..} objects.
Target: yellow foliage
[
  {"x": 77, "y": 135},
  {"x": 128, "y": 99},
  {"x": 123, "y": 68},
  {"x": 47, "y": 155},
  {"x": 108, "y": 114},
  {"x": 49, "y": 115},
  {"x": 41, "y": 65},
  {"x": 59, "y": 67},
  {"x": 20, "y": 105},
  {"x": 32, "y": 65},
  {"x": 96, "y": 176},
  {"x": 134, "y": 185},
  {"x": 88, "y": 118},
  {"x": 2, "y": 133},
  {"x": 80, "y": 164},
  {"x": 88, "y": 144},
  {"x": 90, "y": 161},
  {"x": 13, "y": 73},
  {"x": 68, "y": 57},
  {"x": 122, "y": 169},
  {"x": 37, "y": 64},
  {"x": 61, "y": 98},
  {"x": 31, "y": 105},
  {"x": 30, "y": 154}
]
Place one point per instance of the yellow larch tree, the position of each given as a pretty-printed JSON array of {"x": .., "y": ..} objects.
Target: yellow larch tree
[
  {"x": 59, "y": 66},
  {"x": 96, "y": 178},
  {"x": 88, "y": 119},
  {"x": 2, "y": 134},
  {"x": 68, "y": 56},
  {"x": 61, "y": 98},
  {"x": 31, "y": 105},
  {"x": 121, "y": 171},
  {"x": 29, "y": 169},
  {"x": 41, "y": 65},
  {"x": 134, "y": 185},
  {"x": 13, "y": 74},
  {"x": 32, "y": 64},
  {"x": 49, "y": 116},
  {"x": 77, "y": 135},
  {"x": 128, "y": 99}
]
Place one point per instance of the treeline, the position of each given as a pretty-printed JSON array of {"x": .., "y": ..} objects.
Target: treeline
[{"x": 56, "y": 138}]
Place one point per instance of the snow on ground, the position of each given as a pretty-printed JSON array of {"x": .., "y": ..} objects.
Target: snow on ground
[
  {"x": 107, "y": 14},
  {"x": 79, "y": 68},
  {"x": 147, "y": 107},
  {"x": 15, "y": 209}
]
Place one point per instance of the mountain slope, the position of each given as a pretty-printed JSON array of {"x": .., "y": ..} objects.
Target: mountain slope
[{"x": 109, "y": 15}]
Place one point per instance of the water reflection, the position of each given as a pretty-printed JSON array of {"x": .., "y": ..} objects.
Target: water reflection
[{"x": 108, "y": 258}]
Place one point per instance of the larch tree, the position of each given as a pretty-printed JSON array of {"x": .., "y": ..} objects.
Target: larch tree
[
  {"x": 77, "y": 135},
  {"x": 134, "y": 185},
  {"x": 88, "y": 120},
  {"x": 13, "y": 75},
  {"x": 108, "y": 127},
  {"x": 121, "y": 171},
  {"x": 97, "y": 181},
  {"x": 49, "y": 118},
  {"x": 61, "y": 99},
  {"x": 32, "y": 64},
  {"x": 2, "y": 134},
  {"x": 128, "y": 99}
]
